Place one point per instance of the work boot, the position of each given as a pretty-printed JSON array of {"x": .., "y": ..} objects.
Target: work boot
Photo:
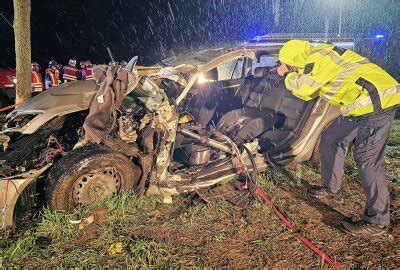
[
  {"x": 324, "y": 193},
  {"x": 364, "y": 228}
]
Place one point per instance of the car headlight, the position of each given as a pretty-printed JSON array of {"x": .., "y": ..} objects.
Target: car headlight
[{"x": 202, "y": 79}]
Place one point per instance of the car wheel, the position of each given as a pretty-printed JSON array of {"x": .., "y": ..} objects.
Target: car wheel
[{"x": 87, "y": 175}]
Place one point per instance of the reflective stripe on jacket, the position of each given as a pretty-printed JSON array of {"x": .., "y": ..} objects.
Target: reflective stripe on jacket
[
  {"x": 37, "y": 83},
  {"x": 89, "y": 73},
  {"x": 342, "y": 77},
  {"x": 70, "y": 74}
]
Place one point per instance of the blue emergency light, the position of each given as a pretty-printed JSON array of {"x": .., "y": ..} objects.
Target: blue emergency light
[{"x": 257, "y": 38}]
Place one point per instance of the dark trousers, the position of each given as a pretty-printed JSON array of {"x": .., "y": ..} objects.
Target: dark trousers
[{"x": 370, "y": 135}]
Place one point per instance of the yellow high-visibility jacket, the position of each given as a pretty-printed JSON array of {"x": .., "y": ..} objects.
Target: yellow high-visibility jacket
[{"x": 339, "y": 76}]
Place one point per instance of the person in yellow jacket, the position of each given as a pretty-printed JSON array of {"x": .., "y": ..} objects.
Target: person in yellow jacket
[{"x": 367, "y": 96}]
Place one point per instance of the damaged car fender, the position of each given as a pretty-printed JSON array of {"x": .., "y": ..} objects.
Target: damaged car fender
[{"x": 60, "y": 100}]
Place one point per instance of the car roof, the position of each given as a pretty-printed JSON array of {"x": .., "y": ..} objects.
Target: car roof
[
  {"x": 277, "y": 40},
  {"x": 260, "y": 45},
  {"x": 201, "y": 57},
  {"x": 198, "y": 57}
]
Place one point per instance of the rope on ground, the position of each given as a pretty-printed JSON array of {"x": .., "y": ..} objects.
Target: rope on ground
[
  {"x": 260, "y": 193},
  {"x": 293, "y": 229}
]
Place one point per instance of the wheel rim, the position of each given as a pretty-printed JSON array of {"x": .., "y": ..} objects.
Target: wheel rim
[{"x": 95, "y": 185}]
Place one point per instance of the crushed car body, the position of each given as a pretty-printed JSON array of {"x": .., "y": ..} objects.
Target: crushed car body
[{"x": 177, "y": 127}]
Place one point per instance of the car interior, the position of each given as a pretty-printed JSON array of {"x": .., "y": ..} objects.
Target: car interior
[{"x": 247, "y": 107}]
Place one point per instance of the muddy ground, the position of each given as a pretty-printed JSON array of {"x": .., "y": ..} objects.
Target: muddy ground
[{"x": 131, "y": 231}]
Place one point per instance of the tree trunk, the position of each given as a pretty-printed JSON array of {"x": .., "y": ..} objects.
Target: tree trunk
[{"x": 22, "y": 34}]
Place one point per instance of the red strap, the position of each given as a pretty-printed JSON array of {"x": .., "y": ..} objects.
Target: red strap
[
  {"x": 7, "y": 108},
  {"x": 289, "y": 225},
  {"x": 11, "y": 106}
]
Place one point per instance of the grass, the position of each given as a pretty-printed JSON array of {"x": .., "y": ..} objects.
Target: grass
[
  {"x": 128, "y": 231},
  {"x": 112, "y": 244}
]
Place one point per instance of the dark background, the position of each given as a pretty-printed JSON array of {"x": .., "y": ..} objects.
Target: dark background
[{"x": 156, "y": 29}]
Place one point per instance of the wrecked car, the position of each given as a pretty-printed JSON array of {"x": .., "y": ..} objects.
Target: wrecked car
[{"x": 188, "y": 123}]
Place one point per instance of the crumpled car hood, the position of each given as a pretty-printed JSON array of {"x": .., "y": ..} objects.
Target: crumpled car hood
[
  {"x": 78, "y": 93},
  {"x": 60, "y": 100}
]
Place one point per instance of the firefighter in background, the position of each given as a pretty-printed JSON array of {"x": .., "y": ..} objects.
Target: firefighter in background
[
  {"x": 60, "y": 73},
  {"x": 82, "y": 70},
  {"x": 37, "y": 82},
  {"x": 71, "y": 73},
  {"x": 88, "y": 70},
  {"x": 51, "y": 75}
]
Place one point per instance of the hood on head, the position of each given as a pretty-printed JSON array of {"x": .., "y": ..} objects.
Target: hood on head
[{"x": 294, "y": 52}]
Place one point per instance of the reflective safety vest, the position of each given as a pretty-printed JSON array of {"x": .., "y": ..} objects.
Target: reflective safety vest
[
  {"x": 57, "y": 76},
  {"x": 88, "y": 73},
  {"x": 37, "y": 82},
  {"x": 51, "y": 78},
  {"x": 339, "y": 76},
  {"x": 70, "y": 74}
]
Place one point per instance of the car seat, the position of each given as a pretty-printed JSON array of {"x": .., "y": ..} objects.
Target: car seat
[{"x": 252, "y": 119}]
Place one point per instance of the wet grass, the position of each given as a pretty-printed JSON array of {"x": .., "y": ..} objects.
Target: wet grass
[
  {"x": 128, "y": 231},
  {"x": 57, "y": 240}
]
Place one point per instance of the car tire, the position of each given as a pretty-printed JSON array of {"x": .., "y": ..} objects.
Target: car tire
[{"x": 89, "y": 174}]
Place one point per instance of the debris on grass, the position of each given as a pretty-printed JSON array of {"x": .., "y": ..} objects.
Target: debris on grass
[
  {"x": 115, "y": 249},
  {"x": 154, "y": 214}
]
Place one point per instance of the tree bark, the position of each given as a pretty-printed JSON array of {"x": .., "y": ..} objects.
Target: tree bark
[{"x": 22, "y": 36}]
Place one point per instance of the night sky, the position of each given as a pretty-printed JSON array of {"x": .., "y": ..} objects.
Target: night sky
[{"x": 156, "y": 29}]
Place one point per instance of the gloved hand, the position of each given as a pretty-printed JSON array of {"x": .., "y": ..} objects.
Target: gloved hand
[{"x": 282, "y": 69}]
